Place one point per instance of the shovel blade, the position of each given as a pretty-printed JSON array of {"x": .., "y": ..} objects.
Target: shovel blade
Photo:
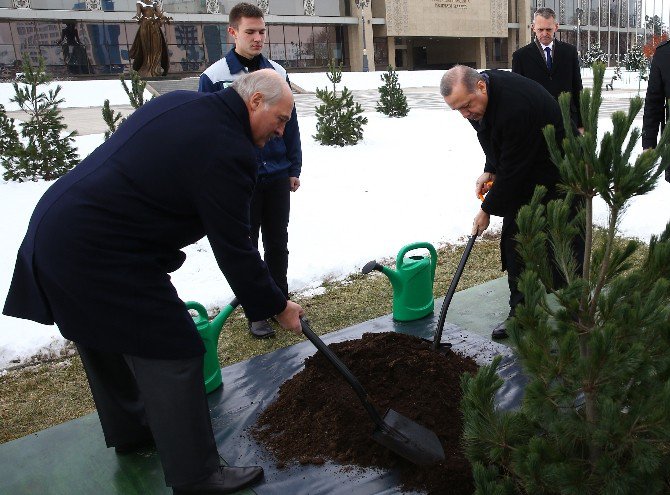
[{"x": 408, "y": 439}]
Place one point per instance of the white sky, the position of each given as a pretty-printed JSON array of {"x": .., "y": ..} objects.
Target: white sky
[{"x": 410, "y": 179}]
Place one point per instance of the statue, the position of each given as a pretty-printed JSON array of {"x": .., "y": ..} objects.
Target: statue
[
  {"x": 149, "y": 51},
  {"x": 74, "y": 52}
]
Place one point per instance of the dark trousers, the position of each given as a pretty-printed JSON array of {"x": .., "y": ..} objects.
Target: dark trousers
[
  {"x": 511, "y": 261},
  {"x": 270, "y": 207},
  {"x": 165, "y": 398}
]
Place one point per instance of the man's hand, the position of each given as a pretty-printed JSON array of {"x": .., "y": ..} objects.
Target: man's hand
[
  {"x": 480, "y": 186},
  {"x": 481, "y": 222},
  {"x": 294, "y": 183},
  {"x": 290, "y": 317}
]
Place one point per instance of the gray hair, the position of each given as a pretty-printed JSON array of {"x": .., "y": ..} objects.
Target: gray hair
[
  {"x": 545, "y": 12},
  {"x": 468, "y": 76},
  {"x": 265, "y": 81}
]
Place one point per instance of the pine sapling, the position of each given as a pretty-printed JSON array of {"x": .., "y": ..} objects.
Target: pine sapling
[
  {"x": 46, "y": 151},
  {"x": 339, "y": 119},
  {"x": 111, "y": 118},
  {"x": 136, "y": 91},
  {"x": 10, "y": 145},
  {"x": 135, "y": 94},
  {"x": 392, "y": 99},
  {"x": 595, "y": 418}
]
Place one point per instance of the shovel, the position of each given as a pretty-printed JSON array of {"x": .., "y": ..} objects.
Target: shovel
[
  {"x": 450, "y": 293},
  {"x": 395, "y": 432}
]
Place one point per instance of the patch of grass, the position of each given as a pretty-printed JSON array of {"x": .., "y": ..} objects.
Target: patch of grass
[{"x": 41, "y": 396}]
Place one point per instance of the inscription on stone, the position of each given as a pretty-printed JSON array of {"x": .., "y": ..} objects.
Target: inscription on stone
[{"x": 453, "y": 4}]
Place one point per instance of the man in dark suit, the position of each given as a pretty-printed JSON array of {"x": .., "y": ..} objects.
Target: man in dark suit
[
  {"x": 508, "y": 112},
  {"x": 551, "y": 62},
  {"x": 104, "y": 237},
  {"x": 656, "y": 100}
]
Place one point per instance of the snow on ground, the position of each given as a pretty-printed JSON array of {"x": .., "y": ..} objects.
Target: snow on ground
[
  {"x": 77, "y": 93},
  {"x": 410, "y": 179},
  {"x": 367, "y": 80}
]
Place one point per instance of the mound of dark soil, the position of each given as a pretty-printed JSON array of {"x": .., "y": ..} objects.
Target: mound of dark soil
[{"x": 318, "y": 416}]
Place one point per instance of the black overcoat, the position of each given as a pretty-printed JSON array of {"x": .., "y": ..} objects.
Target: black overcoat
[
  {"x": 563, "y": 77},
  {"x": 104, "y": 237},
  {"x": 510, "y": 134},
  {"x": 655, "y": 101}
]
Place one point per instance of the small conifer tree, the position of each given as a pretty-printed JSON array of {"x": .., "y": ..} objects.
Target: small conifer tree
[
  {"x": 111, "y": 118},
  {"x": 392, "y": 99},
  {"x": 338, "y": 119},
  {"x": 136, "y": 91},
  {"x": 10, "y": 145},
  {"x": 634, "y": 59},
  {"x": 43, "y": 153},
  {"x": 135, "y": 95},
  {"x": 595, "y": 418},
  {"x": 595, "y": 54}
]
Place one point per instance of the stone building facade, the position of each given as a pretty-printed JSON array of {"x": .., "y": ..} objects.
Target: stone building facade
[{"x": 304, "y": 35}]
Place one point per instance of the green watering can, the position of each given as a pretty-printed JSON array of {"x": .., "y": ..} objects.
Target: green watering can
[
  {"x": 209, "y": 332},
  {"x": 412, "y": 282}
]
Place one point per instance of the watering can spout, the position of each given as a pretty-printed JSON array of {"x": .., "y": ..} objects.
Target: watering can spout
[
  {"x": 390, "y": 273},
  {"x": 394, "y": 277},
  {"x": 220, "y": 319}
]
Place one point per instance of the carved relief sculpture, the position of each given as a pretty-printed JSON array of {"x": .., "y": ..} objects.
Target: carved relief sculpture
[
  {"x": 499, "y": 18},
  {"x": 149, "y": 52},
  {"x": 213, "y": 7},
  {"x": 309, "y": 7},
  {"x": 94, "y": 4},
  {"x": 21, "y": 4},
  {"x": 264, "y": 5},
  {"x": 397, "y": 16}
]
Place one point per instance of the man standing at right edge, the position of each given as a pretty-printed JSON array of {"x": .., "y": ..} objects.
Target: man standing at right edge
[{"x": 656, "y": 99}]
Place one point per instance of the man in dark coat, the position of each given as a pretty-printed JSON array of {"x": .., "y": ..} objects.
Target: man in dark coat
[
  {"x": 656, "y": 100},
  {"x": 508, "y": 112},
  {"x": 551, "y": 62},
  {"x": 104, "y": 237}
]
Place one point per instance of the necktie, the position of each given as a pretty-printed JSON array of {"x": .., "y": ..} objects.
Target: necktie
[{"x": 548, "y": 50}]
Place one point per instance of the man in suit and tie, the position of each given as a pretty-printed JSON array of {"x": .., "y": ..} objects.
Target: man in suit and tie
[{"x": 551, "y": 62}]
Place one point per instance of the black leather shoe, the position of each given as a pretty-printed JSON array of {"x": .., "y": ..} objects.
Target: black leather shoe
[
  {"x": 226, "y": 479},
  {"x": 261, "y": 329},
  {"x": 500, "y": 331}
]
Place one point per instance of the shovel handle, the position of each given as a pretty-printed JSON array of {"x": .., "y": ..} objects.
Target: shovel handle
[
  {"x": 344, "y": 371},
  {"x": 450, "y": 292}
]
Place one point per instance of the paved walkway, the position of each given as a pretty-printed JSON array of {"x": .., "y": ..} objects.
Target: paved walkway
[{"x": 89, "y": 120}]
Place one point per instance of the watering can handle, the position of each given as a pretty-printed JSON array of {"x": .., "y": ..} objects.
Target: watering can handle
[
  {"x": 418, "y": 245},
  {"x": 202, "y": 312}
]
